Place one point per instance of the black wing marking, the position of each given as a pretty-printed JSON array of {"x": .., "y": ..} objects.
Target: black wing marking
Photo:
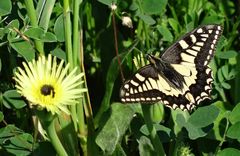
[{"x": 198, "y": 44}]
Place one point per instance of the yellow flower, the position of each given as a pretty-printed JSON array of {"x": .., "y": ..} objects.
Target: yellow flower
[{"x": 48, "y": 85}]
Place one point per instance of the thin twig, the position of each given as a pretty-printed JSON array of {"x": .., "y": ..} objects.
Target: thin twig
[{"x": 116, "y": 45}]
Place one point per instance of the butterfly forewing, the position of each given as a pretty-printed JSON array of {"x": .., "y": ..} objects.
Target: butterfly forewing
[
  {"x": 186, "y": 62},
  {"x": 195, "y": 47}
]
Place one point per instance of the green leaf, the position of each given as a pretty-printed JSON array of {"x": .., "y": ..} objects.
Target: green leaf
[
  {"x": 235, "y": 114},
  {"x": 20, "y": 144},
  {"x": 35, "y": 33},
  {"x": 195, "y": 6},
  {"x": 49, "y": 37},
  {"x": 227, "y": 54},
  {"x": 59, "y": 53},
  {"x": 119, "y": 151},
  {"x": 225, "y": 71},
  {"x": 58, "y": 28},
  {"x": 232, "y": 74},
  {"x": 15, "y": 141},
  {"x": 145, "y": 147},
  {"x": 24, "y": 48},
  {"x": 201, "y": 121},
  {"x": 212, "y": 19},
  {"x": 174, "y": 24},
  {"x": 1, "y": 116},
  {"x": 220, "y": 76},
  {"x": 203, "y": 116},
  {"x": 39, "y": 34},
  {"x": 115, "y": 127},
  {"x": 12, "y": 30},
  {"x": 221, "y": 43},
  {"x": 5, "y": 7},
  {"x": 220, "y": 122},
  {"x": 195, "y": 133},
  {"x": 7, "y": 132},
  {"x": 3, "y": 32},
  {"x": 189, "y": 20},
  {"x": 181, "y": 120},
  {"x": 13, "y": 24},
  {"x": 134, "y": 6},
  {"x": 226, "y": 85},
  {"x": 234, "y": 131},
  {"x": 164, "y": 133},
  {"x": 147, "y": 19},
  {"x": 229, "y": 152},
  {"x": 167, "y": 35},
  {"x": 154, "y": 6},
  {"x": 12, "y": 99}
]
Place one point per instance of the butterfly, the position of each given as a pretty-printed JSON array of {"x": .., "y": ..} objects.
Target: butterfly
[{"x": 180, "y": 77}]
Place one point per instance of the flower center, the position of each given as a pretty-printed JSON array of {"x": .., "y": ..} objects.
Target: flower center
[{"x": 48, "y": 90}]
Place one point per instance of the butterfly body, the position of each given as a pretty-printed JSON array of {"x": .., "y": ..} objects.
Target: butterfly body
[
  {"x": 180, "y": 78},
  {"x": 166, "y": 71}
]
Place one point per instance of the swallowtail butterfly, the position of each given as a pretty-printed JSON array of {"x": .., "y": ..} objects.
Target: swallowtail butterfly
[{"x": 181, "y": 77}]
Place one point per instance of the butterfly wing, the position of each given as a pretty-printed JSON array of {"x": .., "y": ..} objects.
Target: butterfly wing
[
  {"x": 148, "y": 86},
  {"x": 189, "y": 56},
  {"x": 196, "y": 47}
]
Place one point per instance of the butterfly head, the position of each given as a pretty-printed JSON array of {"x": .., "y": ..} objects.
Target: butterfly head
[{"x": 152, "y": 59}]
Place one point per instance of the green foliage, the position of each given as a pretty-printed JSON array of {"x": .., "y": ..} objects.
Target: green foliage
[
  {"x": 110, "y": 127},
  {"x": 39, "y": 34},
  {"x": 107, "y": 139},
  {"x": 234, "y": 116},
  {"x": 15, "y": 141},
  {"x": 164, "y": 133},
  {"x": 5, "y": 8},
  {"x": 145, "y": 146},
  {"x": 152, "y": 7},
  {"x": 229, "y": 151},
  {"x": 233, "y": 131},
  {"x": 198, "y": 125},
  {"x": 12, "y": 99}
]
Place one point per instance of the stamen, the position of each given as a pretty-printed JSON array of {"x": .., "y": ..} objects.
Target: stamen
[{"x": 48, "y": 90}]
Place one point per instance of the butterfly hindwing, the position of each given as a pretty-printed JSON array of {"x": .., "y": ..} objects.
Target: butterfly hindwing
[
  {"x": 146, "y": 87},
  {"x": 180, "y": 78}
]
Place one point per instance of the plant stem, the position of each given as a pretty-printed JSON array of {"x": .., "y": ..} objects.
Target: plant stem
[
  {"x": 81, "y": 127},
  {"x": 89, "y": 148},
  {"x": 67, "y": 30},
  {"x": 77, "y": 60},
  {"x": 75, "y": 54},
  {"x": 153, "y": 133},
  {"x": 76, "y": 31},
  {"x": 223, "y": 139},
  {"x": 69, "y": 52},
  {"x": 33, "y": 19},
  {"x": 116, "y": 45},
  {"x": 50, "y": 129}
]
